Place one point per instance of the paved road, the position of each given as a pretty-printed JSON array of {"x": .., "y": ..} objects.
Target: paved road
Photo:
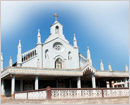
[{"x": 124, "y": 100}]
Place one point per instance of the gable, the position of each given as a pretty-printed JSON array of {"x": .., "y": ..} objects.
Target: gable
[{"x": 58, "y": 48}]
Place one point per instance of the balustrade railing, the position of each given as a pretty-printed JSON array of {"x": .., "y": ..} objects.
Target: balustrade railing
[
  {"x": 72, "y": 93},
  {"x": 82, "y": 58},
  {"x": 32, "y": 94},
  {"x": 28, "y": 55}
]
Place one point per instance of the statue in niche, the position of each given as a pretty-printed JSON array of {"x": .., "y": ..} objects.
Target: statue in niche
[
  {"x": 46, "y": 54},
  {"x": 69, "y": 56}
]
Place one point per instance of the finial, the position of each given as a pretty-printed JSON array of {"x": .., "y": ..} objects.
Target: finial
[
  {"x": 38, "y": 30},
  {"x": 55, "y": 15},
  {"x": 109, "y": 67},
  {"x": 88, "y": 50},
  {"x": 101, "y": 65},
  {"x": 74, "y": 37},
  {"x": 10, "y": 61},
  {"x": 38, "y": 37},
  {"x": 19, "y": 43},
  {"x": 126, "y": 68},
  {"x": 1, "y": 57}
]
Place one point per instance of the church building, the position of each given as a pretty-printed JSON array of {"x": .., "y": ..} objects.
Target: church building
[{"x": 57, "y": 64}]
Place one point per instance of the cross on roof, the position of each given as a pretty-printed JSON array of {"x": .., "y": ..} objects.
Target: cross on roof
[{"x": 55, "y": 15}]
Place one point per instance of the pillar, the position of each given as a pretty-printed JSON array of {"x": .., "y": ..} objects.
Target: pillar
[
  {"x": 125, "y": 82},
  {"x": 21, "y": 85},
  {"x": 36, "y": 82},
  {"x": 93, "y": 81},
  {"x": 12, "y": 85},
  {"x": 2, "y": 88},
  {"x": 78, "y": 82}
]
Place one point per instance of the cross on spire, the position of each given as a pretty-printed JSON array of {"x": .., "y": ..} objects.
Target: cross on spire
[{"x": 55, "y": 15}]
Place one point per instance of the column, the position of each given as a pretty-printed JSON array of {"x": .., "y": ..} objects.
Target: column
[
  {"x": 21, "y": 85},
  {"x": 70, "y": 83},
  {"x": 36, "y": 82},
  {"x": 78, "y": 82},
  {"x": 12, "y": 85},
  {"x": 125, "y": 82},
  {"x": 2, "y": 88},
  {"x": 93, "y": 81}
]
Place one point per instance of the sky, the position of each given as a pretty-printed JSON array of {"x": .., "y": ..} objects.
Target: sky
[{"x": 103, "y": 26}]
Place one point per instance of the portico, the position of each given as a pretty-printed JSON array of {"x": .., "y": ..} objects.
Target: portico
[{"x": 32, "y": 81}]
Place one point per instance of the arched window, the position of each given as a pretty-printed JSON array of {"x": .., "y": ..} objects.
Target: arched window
[
  {"x": 57, "y": 29},
  {"x": 46, "y": 54},
  {"x": 58, "y": 63},
  {"x": 69, "y": 55}
]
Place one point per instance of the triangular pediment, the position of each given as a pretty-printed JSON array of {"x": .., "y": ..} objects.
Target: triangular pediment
[
  {"x": 87, "y": 68},
  {"x": 56, "y": 23},
  {"x": 56, "y": 39}
]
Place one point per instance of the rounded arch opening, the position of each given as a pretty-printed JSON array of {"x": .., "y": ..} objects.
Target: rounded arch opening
[
  {"x": 58, "y": 63},
  {"x": 57, "y": 29},
  {"x": 46, "y": 54}
]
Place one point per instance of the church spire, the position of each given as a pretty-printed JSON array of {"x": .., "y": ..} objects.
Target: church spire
[
  {"x": 101, "y": 65},
  {"x": 38, "y": 37},
  {"x": 19, "y": 56},
  {"x": 19, "y": 45},
  {"x": 109, "y": 67},
  {"x": 89, "y": 56},
  {"x": 1, "y": 62},
  {"x": 10, "y": 61},
  {"x": 75, "y": 42}
]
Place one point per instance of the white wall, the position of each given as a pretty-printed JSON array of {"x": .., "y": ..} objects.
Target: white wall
[
  {"x": 30, "y": 63},
  {"x": 53, "y": 55}
]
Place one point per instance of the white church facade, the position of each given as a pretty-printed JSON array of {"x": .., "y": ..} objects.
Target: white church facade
[{"x": 57, "y": 64}]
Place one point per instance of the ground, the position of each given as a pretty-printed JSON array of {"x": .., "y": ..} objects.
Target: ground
[{"x": 123, "y": 100}]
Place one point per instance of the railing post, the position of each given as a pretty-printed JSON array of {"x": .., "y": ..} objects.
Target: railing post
[
  {"x": 14, "y": 95},
  {"x": 48, "y": 90},
  {"x": 27, "y": 94},
  {"x": 102, "y": 93}
]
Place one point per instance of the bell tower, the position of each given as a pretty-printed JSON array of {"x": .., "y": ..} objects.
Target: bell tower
[{"x": 56, "y": 30}]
